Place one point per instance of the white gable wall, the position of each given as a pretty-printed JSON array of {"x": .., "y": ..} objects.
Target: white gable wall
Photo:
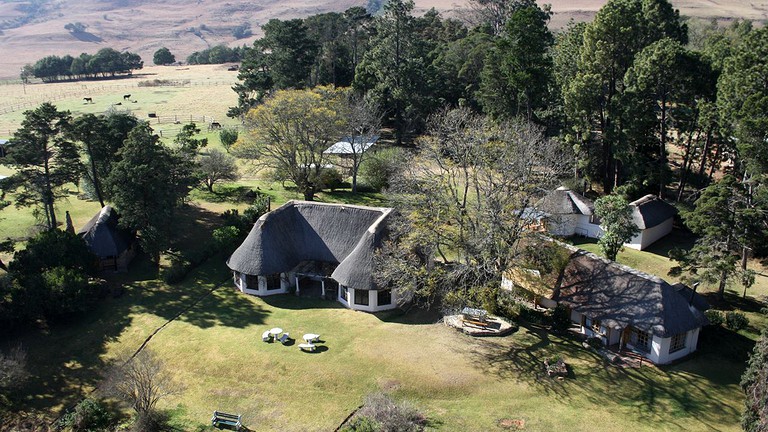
[
  {"x": 587, "y": 229},
  {"x": 562, "y": 225},
  {"x": 650, "y": 235}
]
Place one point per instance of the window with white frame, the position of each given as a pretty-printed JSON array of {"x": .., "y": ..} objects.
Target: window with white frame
[
  {"x": 641, "y": 340},
  {"x": 343, "y": 293},
  {"x": 273, "y": 281},
  {"x": 677, "y": 343}
]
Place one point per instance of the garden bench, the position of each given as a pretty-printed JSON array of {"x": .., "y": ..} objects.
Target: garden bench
[
  {"x": 221, "y": 418},
  {"x": 266, "y": 337}
]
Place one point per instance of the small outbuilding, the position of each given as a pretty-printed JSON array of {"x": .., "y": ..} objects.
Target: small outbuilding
[
  {"x": 654, "y": 217},
  {"x": 114, "y": 246},
  {"x": 308, "y": 246},
  {"x": 564, "y": 213},
  {"x": 352, "y": 145},
  {"x": 629, "y": 309},
  {"x": 4, "y": 144}
]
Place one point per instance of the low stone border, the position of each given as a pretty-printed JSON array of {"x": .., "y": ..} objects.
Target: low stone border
[{"x": 496, "y": 326}]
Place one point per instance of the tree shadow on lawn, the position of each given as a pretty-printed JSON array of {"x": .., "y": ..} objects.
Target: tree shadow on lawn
[
  {"x": 206, "y": 298},
  {"x": 193, "y": 227},
  {"x": 412, "y": 316},
  {"x": 692, "y": 388}
]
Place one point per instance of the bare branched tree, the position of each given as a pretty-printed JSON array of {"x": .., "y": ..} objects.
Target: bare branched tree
[
  {"x": 363, "y": 122},
  {"x": 142, "y": 382},
  {"x": 463, "y": 199}
]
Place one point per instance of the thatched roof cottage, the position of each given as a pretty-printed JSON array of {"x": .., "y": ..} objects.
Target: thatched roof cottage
[
  {"x": 310, "y": 246},
  {"x": 565, "y": 213},
  {"x": 114, "y": 246},
  {"x": 625, "y": 307}
]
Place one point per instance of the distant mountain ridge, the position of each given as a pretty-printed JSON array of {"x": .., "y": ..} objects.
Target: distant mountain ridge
[{"x": 32, "y": 29}]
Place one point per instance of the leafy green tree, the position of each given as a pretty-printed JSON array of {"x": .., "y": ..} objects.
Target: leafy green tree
[
  {"x": 518, "y": 70},
  {"x": 754, "y": 382},
  {"x": 186, "y": 141},
  {"x": 50, "y": 276},
  {"x": 743, "y": 100},
  {"x": 228, "y": 137},
  {"x": 291, "y": 130},
  {"x": 102, "y": 137},
  {"x": 217, "y": 166},
  {"x": 617, "y": 224},
  {"x": 290, "y": 52},
  {"x": 44, "y": 158},
  {"x": 147, "y": 184},
  {"x": 163, "y": 56},
  {"x": 255, "y": 84}
]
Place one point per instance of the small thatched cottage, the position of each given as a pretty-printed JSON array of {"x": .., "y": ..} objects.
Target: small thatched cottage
[
  {"x": 114, "y": 246},
  {"x": 565, "y": 213},
  {"x": 654, "y": 217},
  {"x": 631, "y": 309},
  {"x": 315, "y": 246}
]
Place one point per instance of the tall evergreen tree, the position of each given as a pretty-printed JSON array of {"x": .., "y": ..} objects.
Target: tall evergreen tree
[
  {"x": 45, "y": 159},
  {"x": 146, "y": 185},
  {"x": 621, "y": 29}
]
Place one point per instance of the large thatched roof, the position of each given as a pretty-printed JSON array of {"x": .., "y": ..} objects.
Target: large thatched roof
[
  {"x": 102, "y": 235},
  {"x": 309, "y": 231},
  {"x": 650, "y": 210},
  {"x": 620, "y": 296},
  {"x": 563, "y": 201}
]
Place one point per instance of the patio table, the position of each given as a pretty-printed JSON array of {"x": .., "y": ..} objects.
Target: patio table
[
  {"x": 275, "y": 332},
  {"x": 311, "y": 337}
]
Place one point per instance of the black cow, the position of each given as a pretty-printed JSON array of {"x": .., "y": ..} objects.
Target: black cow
[{"x": 126, "y": 97}]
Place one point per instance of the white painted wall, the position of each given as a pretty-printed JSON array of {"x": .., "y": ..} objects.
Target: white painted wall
[
  {"x": 648, "y": 236},
  {"x": 372, "y": 302},
  {"x": 586, "y": 229},
  {"x": 562, "y": 225},
  {"x": 691, "y": 341}
]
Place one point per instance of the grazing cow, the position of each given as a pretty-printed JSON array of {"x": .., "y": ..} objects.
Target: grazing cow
[
  {"x": 134, "y": 101},
  {"x": 126, "y": 97},
  {"x": 88, "y": 100},
  {"x": 119, "y": 103},
  {"x": 214, "y": 125}
]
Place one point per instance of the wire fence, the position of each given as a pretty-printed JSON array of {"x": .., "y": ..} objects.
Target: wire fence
[{"x": 87, "y": 91}]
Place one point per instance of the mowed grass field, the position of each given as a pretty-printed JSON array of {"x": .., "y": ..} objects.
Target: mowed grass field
[{"x": 217, "y": 359}]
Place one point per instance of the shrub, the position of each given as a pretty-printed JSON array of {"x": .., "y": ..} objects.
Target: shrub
[
  {"x": 176, "y": 272},
  {"x": 715, "y": 317},
  {"x": 225, "y": 237},
  {"x": 68, "y": 292},
  {"x": 595, "y": 342},
  {"x": 736, "y": 321},
  {"x": 88, "y": 416},
  {"x": 561, "y": 318},
  {"x": 362, "y": 424},
  {"x": 377, "y": 170},
  {"x": 391, "y": 416},
  {"x": 330, "y": 178}
]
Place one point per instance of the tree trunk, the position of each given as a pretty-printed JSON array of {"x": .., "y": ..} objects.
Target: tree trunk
[
  {"x": 209, "y": 184},
  {"x": 721, "y": 287},
  {"x": 354, "y": 181}
]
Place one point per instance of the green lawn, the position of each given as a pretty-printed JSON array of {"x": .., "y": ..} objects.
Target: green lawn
[{"x": 215, "y": 354}]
